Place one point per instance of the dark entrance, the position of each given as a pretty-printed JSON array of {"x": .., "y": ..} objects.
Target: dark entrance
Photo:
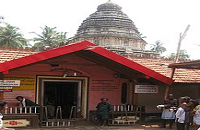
[{"x": 60, "y": 97}]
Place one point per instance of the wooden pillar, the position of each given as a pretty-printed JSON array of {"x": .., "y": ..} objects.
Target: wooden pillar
[
  {"x": 167, "y": 91},
  {"x": 130, "y": 92},
  {"x": 1, "y": 93},
  {"x": 134, "y": 97}
]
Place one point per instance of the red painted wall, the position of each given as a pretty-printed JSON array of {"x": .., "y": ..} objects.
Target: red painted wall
[{"x": 102, "y": 82}]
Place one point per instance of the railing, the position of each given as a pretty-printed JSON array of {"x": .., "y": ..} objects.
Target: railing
[
  {"x": 58, "y": 121},
  {"x": 22, "y": 110},
  {"x": 126, "y": 114},
  {"x": 125, "y": 107}
]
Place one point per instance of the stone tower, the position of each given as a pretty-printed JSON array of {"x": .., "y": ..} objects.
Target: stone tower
[{"x": 110, "y": 28}]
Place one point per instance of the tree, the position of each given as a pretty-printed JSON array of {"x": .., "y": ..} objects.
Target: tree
[
  {"x": 183, "y": 55},
  {"x": 158, "y": 47},
  {"x": 62, "y": 37},
  {"x": 49, "y": 37},
  {"x": 10, "y": 36}
]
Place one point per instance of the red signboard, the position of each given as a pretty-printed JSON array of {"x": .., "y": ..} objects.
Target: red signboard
[{"x": 6, "y": 89}]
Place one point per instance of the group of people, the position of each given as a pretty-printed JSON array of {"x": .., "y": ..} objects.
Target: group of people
[{"x": 184, "y": 111}]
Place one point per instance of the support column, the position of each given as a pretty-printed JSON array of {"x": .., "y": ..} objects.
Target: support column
[
  {"x": 130, "y": 92},
  {"x": 1, "y": 93}
]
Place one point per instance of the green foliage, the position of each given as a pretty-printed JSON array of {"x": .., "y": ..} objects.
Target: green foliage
[
  {"x": 10, "y": 36},
  {"x": 183, "y": 55},
  {"x": 49, "y": 37},
  {"x": 158, "y": 47}
]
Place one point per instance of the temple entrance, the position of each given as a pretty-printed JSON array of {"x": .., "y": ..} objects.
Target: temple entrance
[
  {"x": 61, "y": 99},
  {"x": 63, "y": 92}
]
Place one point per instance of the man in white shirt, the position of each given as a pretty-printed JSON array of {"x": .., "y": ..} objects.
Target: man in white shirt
[{"x": 180, "y": 116}]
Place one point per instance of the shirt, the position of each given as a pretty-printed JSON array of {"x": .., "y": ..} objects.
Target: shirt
[
  {"x": 180, "y": 115},
  {"x": 196, "y": 117},
  {"x": 23, "y": 102}
]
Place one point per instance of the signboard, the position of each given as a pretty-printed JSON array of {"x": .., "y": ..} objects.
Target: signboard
[
  {"x": 26, "y": 82},
  {"x": 9, "y": 83},
  {"x": 146, "y": 89},
  {"x": 103, "y": 85},
  {"x": 16, "y": 123},
  {"x": 6, "y": 89}
]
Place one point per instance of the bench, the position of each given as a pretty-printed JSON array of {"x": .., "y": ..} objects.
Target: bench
[{"x": 126, "y": 114}]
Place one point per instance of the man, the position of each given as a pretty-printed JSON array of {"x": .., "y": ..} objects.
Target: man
[
  {"x": 181, "y": 117},
  {"x": 168, "y": 113},
  {"x": 196, "y": 113},
  {"x": 103, "y": 109},
  {"x": 27, "y": 103}
]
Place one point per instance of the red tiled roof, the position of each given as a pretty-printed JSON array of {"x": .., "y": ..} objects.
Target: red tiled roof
[
  {"x": 7, "y": 54},
  {"x": 107, "y": 57},
  {"x": 158, "y": 65},
  {"x": 161, "y": 66}
]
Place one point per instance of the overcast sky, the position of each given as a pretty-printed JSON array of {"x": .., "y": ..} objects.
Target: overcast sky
[{"x": 162, "y": 20}]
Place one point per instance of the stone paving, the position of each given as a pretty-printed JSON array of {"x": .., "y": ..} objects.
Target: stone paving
[
  {"x": 86, "y": 126},
  {"x": 95, "y": 127}
]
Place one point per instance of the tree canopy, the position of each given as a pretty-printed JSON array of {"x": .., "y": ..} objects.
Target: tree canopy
[
  {"x": 183, "y": 55},
  {"x": 158, "y": 47},
  {"x": 48, "y": 37},
  {"x": 11, "y": 36}
]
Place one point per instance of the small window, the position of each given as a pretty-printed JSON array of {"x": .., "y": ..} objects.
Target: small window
[{"x": 124, "y": 93}]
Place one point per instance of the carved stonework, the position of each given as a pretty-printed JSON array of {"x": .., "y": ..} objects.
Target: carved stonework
[{"x": 109, "y": 27}]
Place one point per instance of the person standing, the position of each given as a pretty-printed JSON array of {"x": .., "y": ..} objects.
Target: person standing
[
  {"x": 25, "y": 102},
  {"x": 2, "y": 108},
  {"x": 28, "y": 103},
  {"x": 196, "y": 113},
  {"x": 103, "y": 109},
  {"x": 180, "y": 116},
  {"x": 168, "y": 113}
]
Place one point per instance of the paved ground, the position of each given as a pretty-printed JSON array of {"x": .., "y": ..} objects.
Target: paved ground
[
  {"x": 91, "y": 126},
  {"x": 86, "y": 126}
]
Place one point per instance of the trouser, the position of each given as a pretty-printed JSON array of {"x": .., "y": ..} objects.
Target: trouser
[
  {"x": 164, "y": 121},
  {"x": 180, "y": 126},
  {"x": 187, "y": 126},
  {"x": 102, "y": 120}
]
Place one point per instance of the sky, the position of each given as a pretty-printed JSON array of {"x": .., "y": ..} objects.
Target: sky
[{"x": 162, "y": 20}]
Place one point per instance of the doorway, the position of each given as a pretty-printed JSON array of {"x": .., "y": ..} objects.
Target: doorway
[
  {"x": 60, "y": 98},
  {"x": 50, "y": 86}
]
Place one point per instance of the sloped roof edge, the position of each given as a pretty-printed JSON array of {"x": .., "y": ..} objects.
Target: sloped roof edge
[
  {"x": 133, "y": 65},
  {"x": 6, "y": 66},
  {"x": 186, "y": 65}
]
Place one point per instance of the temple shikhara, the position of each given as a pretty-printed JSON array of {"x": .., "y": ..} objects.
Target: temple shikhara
[{"x": 112, "y": 29}]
